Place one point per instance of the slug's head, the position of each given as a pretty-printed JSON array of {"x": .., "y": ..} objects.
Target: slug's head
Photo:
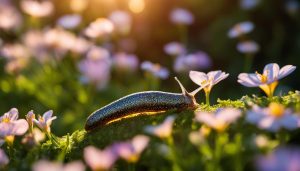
[{"x": 190, "y": 97}]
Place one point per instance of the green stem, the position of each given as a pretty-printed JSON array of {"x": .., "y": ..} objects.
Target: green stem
[
  {"x": 238, "y": 159},
  {"x": 52, "y": 139},
  {"x": 173, "y": 155},
  {"x": 217, "y": 153},
  {"x": 207, "y": 93}
]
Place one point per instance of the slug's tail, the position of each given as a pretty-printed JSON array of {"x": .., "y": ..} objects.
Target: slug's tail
[{"x": 185, "y": 92}]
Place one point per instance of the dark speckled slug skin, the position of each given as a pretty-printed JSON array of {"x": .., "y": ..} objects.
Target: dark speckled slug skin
[{"x": 142, "y": 102}]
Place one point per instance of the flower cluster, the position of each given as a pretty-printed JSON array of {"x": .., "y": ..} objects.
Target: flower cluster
[{"x": 11, "y": 126}]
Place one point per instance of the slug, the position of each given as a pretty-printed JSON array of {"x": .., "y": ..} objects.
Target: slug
[{"x": 142, "y": 102}]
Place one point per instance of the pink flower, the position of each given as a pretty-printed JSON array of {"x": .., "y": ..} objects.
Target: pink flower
[
  {"x": 10, "y": 129},
  {"x": 10, "y": 18},
  {"x": 96, "y": 67},
  {"x": 155, "y": 69},
  {"x": 131, "y": 150},
  {"x": 127, "y": 62},
  {"x": 248, "y": 47},
  {"x": 10, "y": 125},
  {"x": 99, "y": 159},
  {"x": 98, "y": 28},
  {"x": 174, "y": 49},
  {"x": 29, "y": 118},
  {"x": 273, "y": 118},
  {"x": 163, "y": 130},
  {"x": 44, "y": 122},
  {"x": 219, "y": 120},
  {"x": 121, "y": 21},
  {"x": 10, "y": 116},
  {"x": 44, "y": 165},
  {"x": 69, "y": 21},
  {"x": 182, "y": 16},
  {"x": 195, "y": 61},
  {"x": 3, "y": 158},
  {"x": 281, "y": 159},
  {"x": 240, "y": 29}
]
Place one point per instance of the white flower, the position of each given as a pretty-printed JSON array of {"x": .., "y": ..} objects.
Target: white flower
[
  {"x": 181, "y": 16},
  {"x": 98, "y": 28},
  {"x": 248, "y": 47},
  {"x": 99, "y": 159},
  {"x": 121, "y": 21},
  {"x": 155, "y": 69},
  {"x": 163, "y": 130},
  {"x": 37, "y": 8},
  {"x": 268, "y": 80},
  {"x": 174, "y": 49},
  {"x": 208, "y": 80},
  {"x": 241, "y": 29},
  {"x": 69, "y": 21},
  {"x": 273, "y": 118},
  {"x": 219, "y": 120},
  {"x": 44, "y": 122}
]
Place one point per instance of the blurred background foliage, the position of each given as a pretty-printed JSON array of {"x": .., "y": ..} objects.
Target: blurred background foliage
[{"x": 57, "y": 84}]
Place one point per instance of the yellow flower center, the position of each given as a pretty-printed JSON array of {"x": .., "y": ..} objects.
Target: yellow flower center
[
  {"x": 276, "y": 109},
  {"x": 220, "y": 126},
  {"x": 205, "y": 130},
  {"x": 10, "y": 139},
  {"x": 207, "y": 88},
  {"x": 263, "y": 78},
  {"x": 6, "y": 120}
]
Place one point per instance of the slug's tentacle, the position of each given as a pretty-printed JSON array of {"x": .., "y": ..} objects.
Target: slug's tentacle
[
  {"x": 183, "y": 90},
  {"x": 142, "y": 102}
]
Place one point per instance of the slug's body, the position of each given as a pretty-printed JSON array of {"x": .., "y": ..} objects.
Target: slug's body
[{"x": 143, "y": 102}]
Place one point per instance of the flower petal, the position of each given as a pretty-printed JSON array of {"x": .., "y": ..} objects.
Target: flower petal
[
  {"x": 47, "y": 115},
  {"x": 271, "y": 71},
  {"x": 20, "y": 127},
  {"x": 220, "y": 78},
  {"x": 229, "y": 115},
  {"x": 269, "y": 123},
  {"x": 249, "y": 80},
  {"x": 206, "y": 118},
  {"x": 140, "y": 142},
  {"x": 198, "y": 77},
  {"x": 99, "y": 159},
  {"x": 286, "y": 70},
  {"x": 289, "y": 122}
]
